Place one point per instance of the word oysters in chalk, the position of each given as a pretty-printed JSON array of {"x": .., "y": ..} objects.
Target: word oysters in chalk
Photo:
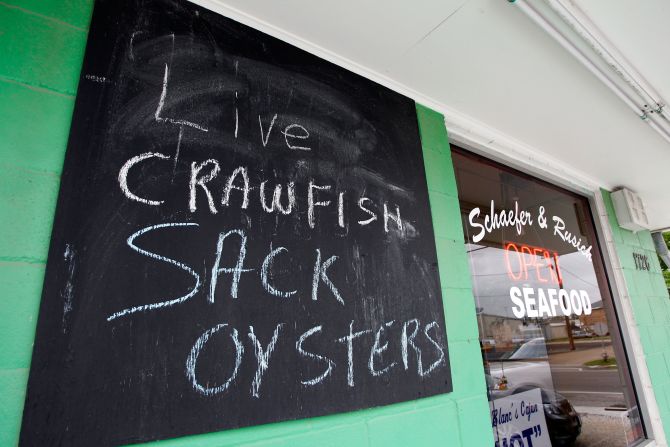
[{"x": 381, "y": 361}]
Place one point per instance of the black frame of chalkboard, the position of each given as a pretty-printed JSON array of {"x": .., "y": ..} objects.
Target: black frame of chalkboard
[{"x": 178, "y": 299}]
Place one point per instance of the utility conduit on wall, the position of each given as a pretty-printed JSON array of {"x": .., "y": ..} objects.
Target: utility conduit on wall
[{"x": 576, "y": 34}]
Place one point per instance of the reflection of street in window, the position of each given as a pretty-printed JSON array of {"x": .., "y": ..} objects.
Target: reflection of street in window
[{"x": 544, "y": 311}]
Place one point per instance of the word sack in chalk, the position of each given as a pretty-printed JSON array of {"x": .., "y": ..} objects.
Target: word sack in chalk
[{"x": 234, "y": 238}]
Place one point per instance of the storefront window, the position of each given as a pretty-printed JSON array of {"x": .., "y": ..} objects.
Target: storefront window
[{"x": 555, "y": 365}]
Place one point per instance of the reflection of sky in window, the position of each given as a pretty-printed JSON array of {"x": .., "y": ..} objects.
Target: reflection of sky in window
[{"x": 492, "y": 284}]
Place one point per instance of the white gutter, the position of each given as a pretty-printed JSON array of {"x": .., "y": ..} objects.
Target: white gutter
[
  {"x": 602, "y": 63},
  {"x": 591, "y": 34},
  {"x": 652, "y": 103}
]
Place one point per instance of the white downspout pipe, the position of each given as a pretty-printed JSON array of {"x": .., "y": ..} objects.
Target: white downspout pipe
[
  {"x": 593, "y": 37},
  {"x": 661, "y": 247}
]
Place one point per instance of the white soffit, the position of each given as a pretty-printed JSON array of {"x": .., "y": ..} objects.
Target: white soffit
[
  {"x": 488, "y": 67},
  {"x": 640, "y": 31}
]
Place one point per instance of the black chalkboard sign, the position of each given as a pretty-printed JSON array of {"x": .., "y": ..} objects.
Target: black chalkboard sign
[{"x": 242, "y": 236}]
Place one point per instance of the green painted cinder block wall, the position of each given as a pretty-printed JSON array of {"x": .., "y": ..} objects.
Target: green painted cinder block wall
[
  {"x": 42, "y": 46},
  {"x": 651, "y": 306}
]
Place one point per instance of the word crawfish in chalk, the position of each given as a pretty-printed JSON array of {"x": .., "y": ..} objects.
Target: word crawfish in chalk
[{"x": 275, "y": 198}]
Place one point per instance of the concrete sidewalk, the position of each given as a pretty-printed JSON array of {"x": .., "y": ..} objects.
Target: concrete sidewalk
[{"x": 579, "y": 356}]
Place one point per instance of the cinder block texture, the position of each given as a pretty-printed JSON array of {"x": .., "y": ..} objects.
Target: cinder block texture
[{"x": 651, "y": 305}]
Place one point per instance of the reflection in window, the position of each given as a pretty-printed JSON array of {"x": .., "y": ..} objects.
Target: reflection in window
[{"x": 555, "y": 365}]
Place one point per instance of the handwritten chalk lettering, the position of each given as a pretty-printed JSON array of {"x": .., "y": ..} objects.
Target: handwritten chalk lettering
[
  {"x": 100, "y": 79},
  {"x": 498, "y": 220},
  {"x": 262, "y": 355},
  {"x": 406, "y": 341},
  {"x": 196, "y": 181},
  {"x": 123, "y": 177},
  {"x": 69, "y": 258},
  {"x": 298, "y": 132},
  {"x": 330, "y": 364},
  {"x": 295, "y": 135},
  {"x": 230, "y": 185},
  {"x": 237, "y": 113},
  {"x": 265, "y": 268},
  {"x": 349, "y": 340},
  {"x": 539, "y": 303},
  {"x": 158, "y": 114},
  {"x": 266, "y": 137},
  {"x": 441, "y": 359},
  {"x": 176, "y": 152},
  {"x": 395, "y": 218},
  {"x": 239, "y": 240},
  {"x": 572, "y": 239},
  {"x": 261, "y": 300},
  {"x": 378, "y": 350},
  {"x": 340, "y": 209},
  {"x": 311, "y": 203},
  {"x": 276, "y": 198},
  {"x": 192, "y": 361},
  {"x": 372, "y": 214},
  {"x": 321, "y": 275},
  {"x": 167, "y": 303},
  {"x": 204, "y": 174},
  {"x": 237, "y": 270}
]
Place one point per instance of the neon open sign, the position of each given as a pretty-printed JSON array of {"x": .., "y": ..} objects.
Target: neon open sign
[{"x": 525, "y": 262}]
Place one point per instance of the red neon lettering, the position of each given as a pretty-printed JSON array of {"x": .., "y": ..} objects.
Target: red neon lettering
[
  {"x": 549, "y": 263},
  {"x": 528, "y": 259},
  {"x": 558, "y": 270},
  {"x": 539, "y": 252},
  {"x": 537, "y": 258},
  {"x": 510, "y": 272}
]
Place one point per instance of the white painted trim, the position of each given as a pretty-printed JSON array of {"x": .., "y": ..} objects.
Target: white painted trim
[{"x": 484, "y": 140}]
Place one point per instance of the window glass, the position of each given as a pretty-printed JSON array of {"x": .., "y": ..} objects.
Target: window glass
[{"x": 555, "y": 365}]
